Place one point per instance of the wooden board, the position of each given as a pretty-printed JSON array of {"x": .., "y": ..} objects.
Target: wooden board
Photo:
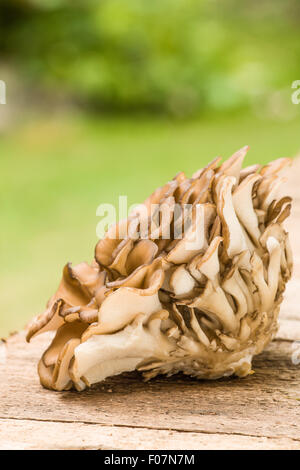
[{"x": 261, "y": 411}]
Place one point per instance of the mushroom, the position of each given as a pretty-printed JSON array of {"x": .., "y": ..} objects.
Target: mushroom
[
  {"x": 191, "y": 282},
  {"x": 71, "y": 292},
  {"x": 231, "y": 285},
  {"x": 54, "y": 364},
  {"x": 243, "y": 206},
  {"x": 101, "y": 356},
  {"x": 267, "y": 289},
  {"x": 234, "y": 238},
  {"x": 214, "y": 300},
  {"x": 233, "y": 166},
  {"x": 123, "y": 305},
  {"x": 195, "y": 237},
  {"x": 181, "y": 282},
  {"x": 252, "y": 169},
  {"x": 209, "y": 264}
]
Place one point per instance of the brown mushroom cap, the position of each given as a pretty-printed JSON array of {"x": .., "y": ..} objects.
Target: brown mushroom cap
[{"x": 193, "y": 284}]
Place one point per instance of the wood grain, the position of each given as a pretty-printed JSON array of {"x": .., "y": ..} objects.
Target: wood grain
[{"x": 261, "y": 411}]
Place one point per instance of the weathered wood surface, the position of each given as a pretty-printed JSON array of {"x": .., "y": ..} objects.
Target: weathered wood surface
[{"x": 261, "y": 411}]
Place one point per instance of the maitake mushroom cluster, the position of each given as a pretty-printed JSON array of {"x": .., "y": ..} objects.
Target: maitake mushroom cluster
[{"x": 202, "y": 304}]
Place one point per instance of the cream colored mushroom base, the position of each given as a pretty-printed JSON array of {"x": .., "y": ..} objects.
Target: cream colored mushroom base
[{"x": 159, "y": 306}]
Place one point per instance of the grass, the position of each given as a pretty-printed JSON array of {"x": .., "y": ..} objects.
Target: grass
[{"x": 55, "y": 172}]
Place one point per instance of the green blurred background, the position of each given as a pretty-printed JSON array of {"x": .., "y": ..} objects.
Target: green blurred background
[{"x": 113, "y": 97}]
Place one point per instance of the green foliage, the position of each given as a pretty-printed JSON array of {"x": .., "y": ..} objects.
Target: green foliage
[{"x": 176, "y": 56}]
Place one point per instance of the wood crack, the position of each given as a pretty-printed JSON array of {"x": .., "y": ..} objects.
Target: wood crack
[{"x": 120, "y": 425}]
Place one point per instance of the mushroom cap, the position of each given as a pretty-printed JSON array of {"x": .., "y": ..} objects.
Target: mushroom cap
[{"x": 190, "y": 282}]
